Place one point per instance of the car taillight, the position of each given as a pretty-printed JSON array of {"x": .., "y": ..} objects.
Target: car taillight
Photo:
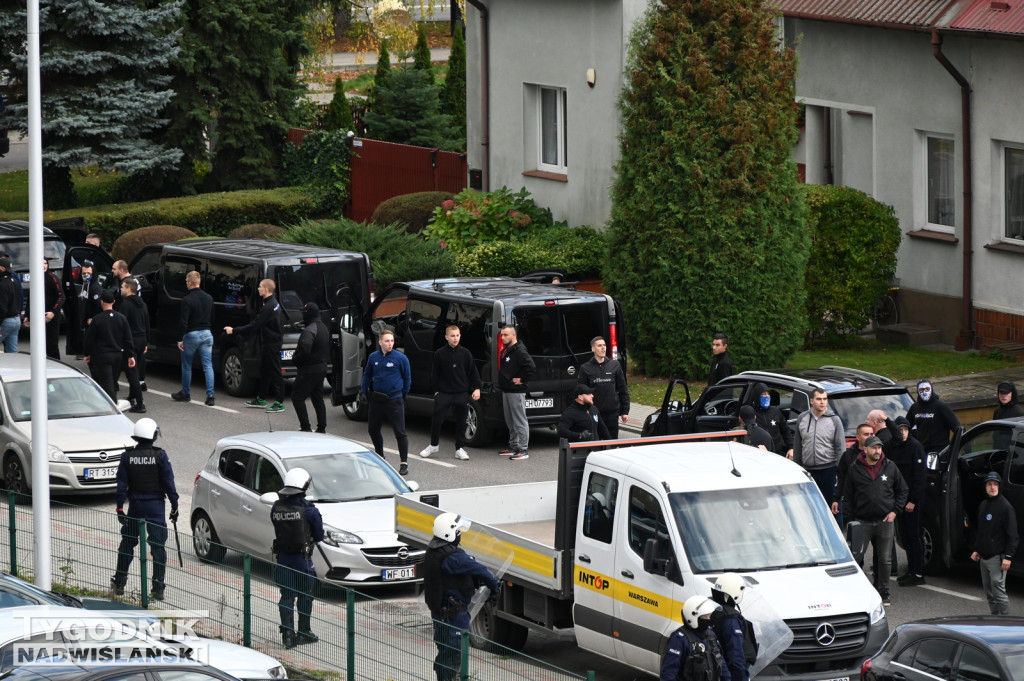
[
  {"x": 76, "y": 272},
  {"x": 865, "y": 668},
  {"x": 196, "y": 481},
  {"x": 613, "y": 340},
  {"x": 501, "y": 348}
]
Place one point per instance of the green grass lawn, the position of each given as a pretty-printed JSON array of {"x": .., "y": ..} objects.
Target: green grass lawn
[
  {"x": 94, "y": 186},
  {"x": 897, "y": 362}
]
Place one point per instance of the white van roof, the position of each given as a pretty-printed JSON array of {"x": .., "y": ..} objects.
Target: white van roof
[{"x": 700, "y": 466}]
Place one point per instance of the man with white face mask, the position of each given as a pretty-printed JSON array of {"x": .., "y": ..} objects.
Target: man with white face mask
[{"x": 931, "y": 419}]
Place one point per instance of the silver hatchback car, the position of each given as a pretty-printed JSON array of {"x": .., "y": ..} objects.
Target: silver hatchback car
[
  {"x": 352, "y": 487},
  {"x": 87, "y": 432}
]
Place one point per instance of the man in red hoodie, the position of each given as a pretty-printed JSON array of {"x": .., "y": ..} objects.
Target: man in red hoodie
[{"x": 873, "y": 493}]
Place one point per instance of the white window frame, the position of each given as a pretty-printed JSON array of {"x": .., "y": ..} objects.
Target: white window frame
[
  {"x": 1002, "y": 195},
  {"x": 561, "y": 165},
  {"x": 924, "y": 182}
]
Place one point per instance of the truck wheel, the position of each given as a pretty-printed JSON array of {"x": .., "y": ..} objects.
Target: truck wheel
[
  {"x": 356, "y": 410},
  {"x": 232, "y": 371},
  {"x": 477, "y": 432},
  {"x": 488, "y": 629}
]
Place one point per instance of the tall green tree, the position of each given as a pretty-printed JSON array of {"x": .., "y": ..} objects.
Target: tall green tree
[
  {"x": 453, "y": 96},
  {"x": 408, "y": 111},
  {"x": 339, "y": 112},
  {"x": 421, "y": 54},
  {"x": 104, "y": 70},
  {"x": 708, "y": 226},
  {"x": 382, "y": 76}
]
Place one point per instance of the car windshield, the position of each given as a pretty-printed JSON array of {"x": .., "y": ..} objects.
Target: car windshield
[
  {"x": 759, "y": 528},
  {"x": 316, "y": 283},
  {"x": 53, "y": 250},
  {"x": 349, "y": 476},
  {"x": 14, "y": 593},
  {"x": 854, "y": 409},
  {"x": 66, "y": 398}
]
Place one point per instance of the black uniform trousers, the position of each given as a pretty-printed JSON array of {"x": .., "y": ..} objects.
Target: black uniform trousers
[
  {"x": 53, "y": 337},
  {"x": 392, "y": 411},
  {"x": 137, "y": 373},
  {"x": 105, "y": 367},
  {"x": 271, "y": 380},
  {"x": 310, "y": 385}
]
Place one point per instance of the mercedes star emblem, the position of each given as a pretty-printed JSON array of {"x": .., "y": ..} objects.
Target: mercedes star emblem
[{"x": 825, "y": 634}]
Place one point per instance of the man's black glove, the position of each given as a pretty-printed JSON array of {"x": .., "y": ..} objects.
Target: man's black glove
[
  {"x": 585, "y": 435},
  {"x": 174, "y": 515},
  {"x": 122, "y": 517},
  {"x": 495, "y": 593}
]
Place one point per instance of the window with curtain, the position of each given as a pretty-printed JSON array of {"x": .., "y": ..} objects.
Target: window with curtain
[
  {"x": 1014, "y": 188},
  {"x": 553, "y": 145},
  {"x": 941, "y": 204}
]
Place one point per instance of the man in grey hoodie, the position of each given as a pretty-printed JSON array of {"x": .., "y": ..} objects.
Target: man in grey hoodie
[{"x": 818, "y": 441}]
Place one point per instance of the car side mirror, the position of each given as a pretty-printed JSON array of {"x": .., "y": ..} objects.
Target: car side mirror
[
  {"x": 123, "y": 405},
  {"x": 269, "y": 498},
  {"x": 413, "y": 485}
]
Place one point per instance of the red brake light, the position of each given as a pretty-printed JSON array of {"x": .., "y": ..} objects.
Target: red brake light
[
  {"x": 613, "y": 340},
  {"x": 196, "y": 481},
  {"x": 549, "y": 302},
  {"x": 310, "y": 261}
]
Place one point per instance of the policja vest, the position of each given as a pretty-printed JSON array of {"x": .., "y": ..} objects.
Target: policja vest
[
  {"x": 750, "y": 646},
  {"x": 436, "y": 582},
  {"x": 143, "y": 472},
  {"x": 701, "y": 662},
  {"x": 291, "y": 529}
]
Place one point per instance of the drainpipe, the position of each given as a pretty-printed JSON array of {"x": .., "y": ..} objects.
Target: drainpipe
[
  {"x": 966, "y": 339},
  {"x": 485, "y": 85},
  {"x": 826, "y": 116}
]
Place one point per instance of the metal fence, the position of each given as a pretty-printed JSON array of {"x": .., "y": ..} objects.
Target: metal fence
[{"x": 361, "y": 637}]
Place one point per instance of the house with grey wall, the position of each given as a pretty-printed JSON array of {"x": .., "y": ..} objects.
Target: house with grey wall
[{"x": 917, "y": 103}]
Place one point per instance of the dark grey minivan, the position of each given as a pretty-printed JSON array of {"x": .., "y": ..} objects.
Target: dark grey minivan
[{"x": 555, "y": 323}]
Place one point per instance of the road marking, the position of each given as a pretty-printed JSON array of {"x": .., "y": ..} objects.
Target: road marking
[
  {"x": 196, "y": 402},
  {"x": 950, "y": 592},
  {"x": 389, "y": 450}
]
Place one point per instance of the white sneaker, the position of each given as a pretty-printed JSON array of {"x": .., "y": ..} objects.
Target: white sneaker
[
  {"x": 430, "y": 449},
  {"x": 461, "y": 454}
]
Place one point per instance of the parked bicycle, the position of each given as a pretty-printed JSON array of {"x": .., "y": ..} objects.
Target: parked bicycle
[{"x": 887, "y": 309}]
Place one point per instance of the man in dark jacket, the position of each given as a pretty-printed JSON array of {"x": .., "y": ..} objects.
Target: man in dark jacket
[
  {"x": 995, "y": 543},
  {"x": 85, "y": 305},
  {"x": 721, "y": 363},
  {"x": 931, "y": 419},
  {"x": 734, "y": 633},
  {"x": 1008, "y": 407},
  {"x": 515, "y": 369},
  {"x": 770, "y": 417},
  {"x": 907, "y": 453},
  {"x": 846, "y": 459},
  {"x": 693, "y": 652},
  {"x": 756, "y": 435},
  {"x": 271, "y": 330},
  {"x": 53, "y": 301},
  {"x": 606, "y": 377},
  {"x": 108, "y": 340},
  {"x": 581, "y": 422},
  {"x": 873, "y": 494},
  {"x": 311, "y": 368},
  {"x": 196, "y": 336},
  {"x": 10, "y": 307},
  {"x": 137, "y": 314},
  {"x": 455, "y": 380},
  {"x": 386, "y": 383}
]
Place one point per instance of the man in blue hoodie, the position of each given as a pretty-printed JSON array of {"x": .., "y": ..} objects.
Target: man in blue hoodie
[{"x": 386, "y": 382}]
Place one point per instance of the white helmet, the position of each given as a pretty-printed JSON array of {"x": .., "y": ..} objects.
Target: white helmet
[
  {"x": 448, "y": 526},
  {"x": 146, "y": 429},
  {"x": 296, "y": 481},
  {"x": 732, "y": 585},
  {"x": 696, "y": 607}
]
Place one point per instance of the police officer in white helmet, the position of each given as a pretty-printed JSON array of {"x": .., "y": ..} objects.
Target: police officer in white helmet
[
  {"x": 734, "y": 633},
  {"x": 450, "y": 577},
  {"x": 693, "y": 653},
  {"x": 144, "y": 479},
  {"x": 298, "y": 525}
]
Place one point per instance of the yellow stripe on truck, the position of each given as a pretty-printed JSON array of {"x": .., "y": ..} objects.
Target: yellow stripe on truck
[{"x": 652, "y": 602}]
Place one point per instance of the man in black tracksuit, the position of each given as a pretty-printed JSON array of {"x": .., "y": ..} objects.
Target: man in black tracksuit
[
  {"x": 271, "y": 329},
  {"x": 995, "y": 543},
  {"x": 107, "y": 341},
  {"x": 137, "y": 314},
  {"x": 455, "y": 380},
  {"x": 581, "y": 422},
  {"x": 931, "y": 419},
  {"x": 608, "y": 380},
  {"x": 770, "y": 417},
  {"x": 311, "y": 368},
  {"x": 756, "y": 435},
  {"x": 53, "y": 301},
  {"x": 907, "y": 453}
]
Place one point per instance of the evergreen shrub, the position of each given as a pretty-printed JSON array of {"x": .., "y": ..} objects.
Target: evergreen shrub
[
  {"x": 414, "y": 210},
  {"x": 473, "y": 217},
  {"x": 130, "y": 243}
]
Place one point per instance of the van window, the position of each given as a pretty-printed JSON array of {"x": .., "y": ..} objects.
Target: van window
[
  {"x": 599, "y": 510},
  {"x": 390, "y": 310},
  {"x": 559, "y": 330},
  {"x": 175, "y": 269},
  {"x": 424, "y": 325},
  {"x": 474, "y": 322},
  {"x": 647, "y": 521},
  {"x": 317, "y": 283},
  {"x": 232, "y": 284},
  {"x": 147, "y": 263}
]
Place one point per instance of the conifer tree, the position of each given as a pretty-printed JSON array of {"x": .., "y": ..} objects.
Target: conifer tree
[
  {"x": 453, "y": 96},
  {"x": 382, "y": 75},
  {"x": 421, "y": 55},
  {"x": 708, "y": 226},
  {"x": 408, "y": 112},
  {"x": 339, "y": 113}
]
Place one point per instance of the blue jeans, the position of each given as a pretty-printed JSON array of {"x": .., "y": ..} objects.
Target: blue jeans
[
  {"x": 9, "y": 329},
  {"x": 203, "y": 342}
]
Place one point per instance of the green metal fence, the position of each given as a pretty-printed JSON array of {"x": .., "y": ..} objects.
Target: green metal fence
[{"x": 361, "y": 637}]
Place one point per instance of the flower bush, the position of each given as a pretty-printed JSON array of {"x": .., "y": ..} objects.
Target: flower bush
[{"x": 472, "y": 218}]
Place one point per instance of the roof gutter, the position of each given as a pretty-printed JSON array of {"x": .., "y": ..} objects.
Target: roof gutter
[
  {"x": 485, "y": 85},
  {"x": 966, "y": 339}
]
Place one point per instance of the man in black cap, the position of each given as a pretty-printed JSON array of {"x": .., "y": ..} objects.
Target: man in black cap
[
  {"x": 581, "y": 422},
  {"x": 107, "y": 340},
  {"x": 907, "y": 453},
  {"x": 995, "y": 544},
  {"x": 756, "y": 435},
  {"x": 310, "y": 360},
  {"x": 1008, "y": 407}
]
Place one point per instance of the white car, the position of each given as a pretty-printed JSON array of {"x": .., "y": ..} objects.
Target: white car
[
  {"x": 353, "y": 488},
  {"x": 87, "y": 432},
  {"x": 37, "y": 624}
]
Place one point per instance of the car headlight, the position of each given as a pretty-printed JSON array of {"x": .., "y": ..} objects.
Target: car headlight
[
  {"x": 878, "y": 613},
  {"x": 57, "y": 455},
  {"x": 277, "y": 672},
  {"x": 335, "y": 537}
]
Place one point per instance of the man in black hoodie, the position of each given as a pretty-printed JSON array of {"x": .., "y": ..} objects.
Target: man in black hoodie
[
  {"x": 135, "y": 311},
  {"x": 931, "y": 419},
  {"x": 455, "y": 380},
  {"x": 1008, "y": 407},
  {"x": 756, "y": 435},
  {"x": 311, "y": 368},
  {"x": 721, "y": 363},
  {"x": 606, "y": 377},
  {"x": 271, "y": 329},
  {"x": 581, "y": 421},
  {"x": 770, "y": 418},
  {"x": 907, "y": 453},
  {"x": 995, "y": 544},
  {"x": 515, "y": 369}
]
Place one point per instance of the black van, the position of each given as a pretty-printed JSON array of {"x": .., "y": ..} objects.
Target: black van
[
  {"x": 338, "y": 281},
  {"x": 555, "y": 323}
]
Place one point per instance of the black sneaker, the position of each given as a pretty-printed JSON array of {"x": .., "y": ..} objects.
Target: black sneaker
[
  {"x": 139, "y": 408},
  {"x": 115, "y": 588},
  {"x": 911, "y": 580},
  {"x": 289, "y": 639},
  {"x": 508, "y": 451},
  {"x": 181, "y": 397},
  {"x": 521, "y": 455},
  {"x": 142, "y": 385},
  {"x": 305, "y": 637},
  {"x": 211, "y": 401},
  {"x": 403, "y": 469},
  {"x": 886, "y": 601},
  {"x": 157, "y": 594}
]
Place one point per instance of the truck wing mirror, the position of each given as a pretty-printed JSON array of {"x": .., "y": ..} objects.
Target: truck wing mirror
[{"x": 652, "y": 563}]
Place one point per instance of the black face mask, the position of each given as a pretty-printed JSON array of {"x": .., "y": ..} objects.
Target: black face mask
[{"x": 702, "y": 626}]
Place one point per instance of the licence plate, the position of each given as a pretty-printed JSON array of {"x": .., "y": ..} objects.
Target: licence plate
[
  {"x": 398, "y": 573},
  {"x": 841, "y": 678},
  {"x": 287, "y": 354},
  {"x": 546, "y": 402},
  {"x": 100, "y": 473}
]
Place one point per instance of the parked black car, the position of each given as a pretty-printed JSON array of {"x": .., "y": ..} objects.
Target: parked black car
[
  {"x": 851, "y": 394},
  {"x": 969, "y": 648}
]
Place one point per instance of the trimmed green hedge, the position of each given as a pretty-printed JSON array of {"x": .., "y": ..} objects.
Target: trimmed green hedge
[
  {"x": 580, "y": 251},
  {"x": 415, "y": 210}
]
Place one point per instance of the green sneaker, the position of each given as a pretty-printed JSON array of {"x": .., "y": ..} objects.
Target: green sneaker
[
  {"x": 258, "y": 402},
  {"x": 275, "y": 407}
]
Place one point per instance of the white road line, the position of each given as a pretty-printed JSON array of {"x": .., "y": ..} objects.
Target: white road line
[
  {"x": 949, "y": 592},
  {"x": 389, "y": 450},
  {"x": 196, "y": 402}
]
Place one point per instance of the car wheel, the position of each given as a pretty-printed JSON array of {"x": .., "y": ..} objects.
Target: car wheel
[
  {"x": 232, "y": 371},
  {"x": 477, "y": 433},
  {"x": 930, "y": 559},
  {"x": 205, "y": 540},
  {"x": 15, "y": 479},
  {"x": 487, "y": 629},
  {"x": 356, "y": 409}
]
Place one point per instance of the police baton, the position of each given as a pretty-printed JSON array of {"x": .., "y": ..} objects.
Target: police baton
[{"x": 177, "y": 540}]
